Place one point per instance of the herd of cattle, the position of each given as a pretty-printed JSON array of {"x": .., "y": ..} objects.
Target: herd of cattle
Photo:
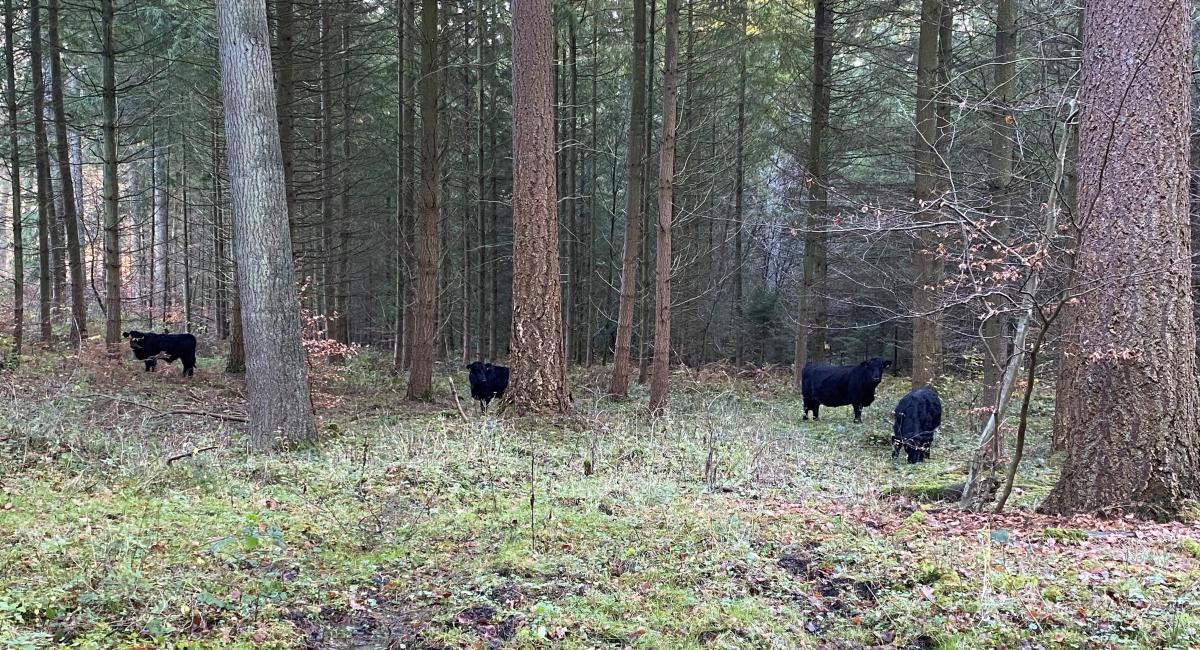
[{"x": 914, "y": 420}]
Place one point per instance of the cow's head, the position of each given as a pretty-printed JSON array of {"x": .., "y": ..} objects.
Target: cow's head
[
  {"x": 478, "y": 371},
  {"x": 875, "y": 366},
  {"x": 135, "y": 338}
]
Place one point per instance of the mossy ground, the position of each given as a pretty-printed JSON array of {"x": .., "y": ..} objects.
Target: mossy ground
[{"x": 729, "y": 524}]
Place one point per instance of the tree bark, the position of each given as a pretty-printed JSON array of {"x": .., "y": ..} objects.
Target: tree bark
[
  {"x": 619, "y": 385},
  {"x": 1130, "y": 414},
  {"x": 926, "y": 343},
  {"x": 112, "y": 215},
  {"x": 814, "y": 301},
  {"x": 14, "y": 152},
  {"x": 45, "y": 193},
  {"x": 420, "y": 376},
  {"x": 70, "y": 215},
  {"x": 739, "y": 189},
  {"x": 160, "y": 206},
  {"x": 538, "y": 363},
  {"x": 277, "y": 373},
  {"x": 660, "y": 370},
  {"x": 1000, "y": 163},
  {"x": 285, "y": 98}
]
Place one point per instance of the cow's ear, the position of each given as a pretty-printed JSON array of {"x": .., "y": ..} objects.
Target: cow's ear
[
  {"x": 887, "y": 364},
  {"x": 125, "y": 335}
]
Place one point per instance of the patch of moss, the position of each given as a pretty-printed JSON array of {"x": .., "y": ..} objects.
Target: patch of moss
[
  {"x": 1191, "y": 547},
  {"x": 1064, "y": 534}
]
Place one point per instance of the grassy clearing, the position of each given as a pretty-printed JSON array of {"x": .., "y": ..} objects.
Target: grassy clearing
[{"x": 730, "y": 524}]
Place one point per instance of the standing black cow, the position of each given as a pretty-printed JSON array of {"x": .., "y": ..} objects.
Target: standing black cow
[
  {"x": 487, "y": 382},
  {"x": 826, "y": 385},
  {"x": 150, "y": 347},
  {"x": 916, "y": 417}
]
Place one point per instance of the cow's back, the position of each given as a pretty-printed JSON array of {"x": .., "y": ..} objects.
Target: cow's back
[{"x": 826, "y": 383}]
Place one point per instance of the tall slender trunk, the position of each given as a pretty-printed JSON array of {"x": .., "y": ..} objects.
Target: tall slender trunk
[
  {"x": 633, "y": 205},
  {"x": 1000, "y": 163},
  {"x": 342, "y": 304},
  {"x": 285, "y": 93},
  {"x": 538, "y": 358},
  {"x": 814, "y": 303},
  {"x": 644, "y": 194},
  {"x": 420, "y": 378},
  {"x": 660, "y": 371},
  {"x": 402, "y": 213},
  {"x": 1131, "y": 409},
  {"x": 162, "y": 285},
  {"x": 112, "y": 205},
  {"x": 739, "y": 188},
  {"x": 45, "y": 193},
  {"x": 67, "y": 184},
  {"x": 926, "y": 344},
  {"x": 276, "y": 370},
  {"x": 14, "y": 160},
  {"x": 593, "y": 191}
]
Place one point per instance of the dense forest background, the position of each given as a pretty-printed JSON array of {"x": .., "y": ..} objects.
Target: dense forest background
[{"x": 748, "y": 173}]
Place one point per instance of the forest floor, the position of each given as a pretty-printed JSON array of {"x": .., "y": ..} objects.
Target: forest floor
[{"x": 133, "y": 516}]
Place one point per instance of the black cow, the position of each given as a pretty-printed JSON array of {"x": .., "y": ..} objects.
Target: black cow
[
  {"x": 826, "y": 385},
  {"x": 917, "y": 416},
  {"x": 150, "y": 347},
  {"x": 487, "y": 382}
]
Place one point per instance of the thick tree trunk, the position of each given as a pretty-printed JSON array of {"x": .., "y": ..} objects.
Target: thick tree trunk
[
  {"x": 926, "y": 343},
  {"x": 660, "y": 371},
  {"x": 1000, "y": 162},
  {"x": 45, "y": 193},
  {"x": 1130, "y": 414},
  {"x": 633, "y": 204},
  {"x": 538, "y": 363},
  {"x": 67, "y": 184},
  {"x": 14, "y": 160},
  {"x": 814, "y": 301},
  {"x": 420, "y": 376},
  {"x": 277, "y": 373},
  {"x": 112, "y": 215}
]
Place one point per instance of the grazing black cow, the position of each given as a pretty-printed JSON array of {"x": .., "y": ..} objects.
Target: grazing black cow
[
  {"x": 150, "y": 347},
  {"x": 826, "y": 385},
  {"x": 487, "y": 382},
  {"x": 917, "y": 416}
]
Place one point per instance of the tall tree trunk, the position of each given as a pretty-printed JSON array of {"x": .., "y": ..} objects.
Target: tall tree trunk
[
  {"x": 45, "y": 193},
  {"x": 161, "y": 205},
  {"x": 633, "y": 205},
  {"x": 593, "y": 190},
  {"x": 660, "y": 371},
  {"x": 926, "y": 344},
  {"x": 538, "y": 363},
  {"x": 277, "y": 373},
  {"x": 484, "y": 309},
  {"x": 402, "y": 212},
  {"x": 112, "y": 205},
  {"x": 739, "y": 189},
  {"x": 14, "y": 160},
  {"x": 70, "y": 216},
  {"x": 814, "y": 301},
  {"x": 1000, "y": 163},
  {"x": 1130, "y": 416},
  {"x": 341, "y": 330},
  {"x": 285, "y": 98},
  {"x": 420, "y": 377},
  {"x": 644, "y": 194}
]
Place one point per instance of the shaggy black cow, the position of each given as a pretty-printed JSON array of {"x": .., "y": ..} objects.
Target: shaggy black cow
[
  {"x": 917, "y": 415},
  {"x": 487, "y": 382},
  {"x": 150, "y": 347},
  {"x": 826, "y": 385}
]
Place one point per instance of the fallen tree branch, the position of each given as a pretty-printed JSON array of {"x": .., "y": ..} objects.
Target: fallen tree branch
[
  {"x": 189, "y": 454},
  {"x": 217, "y": 416},
  {"x": 457, "y": 403}
]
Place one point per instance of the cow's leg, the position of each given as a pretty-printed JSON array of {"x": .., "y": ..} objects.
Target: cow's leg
[
  {"x": 189, "y": 364},
  {"x": 482, "y": 407},
  {"x": 816, "y": 409},
  {"x": 895, "y": 448},
  {"x": 857, "y": 413},
  {"x": 150, "y": 365}
]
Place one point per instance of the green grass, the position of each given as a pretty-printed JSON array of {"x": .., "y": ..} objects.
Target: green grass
[{"x": 405, "y": 525}]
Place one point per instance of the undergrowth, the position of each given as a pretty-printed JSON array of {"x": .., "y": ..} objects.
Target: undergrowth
[{"x": 135, "y": 516}]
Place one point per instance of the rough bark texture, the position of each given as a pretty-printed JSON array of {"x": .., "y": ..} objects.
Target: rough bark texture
[
  {"x": 67, "y": 183},
  {"x": 112, "y": 216},
  {"x": 538, "y": 364},
  {"x": 926, "y": 343},
  {"x": 420, "y": 376},
  {"x": 633, "y": 205},
  {"x": 660, "y": 371},
  {"x": 45, "y": 193},
  {"x": 1000, "y": 162},
  {"x": 814, "y": 303},
  {"x": 276, "y": 372},
  {"x": 14, "y": 152},
  {"x": 1130, "y": 414}
]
